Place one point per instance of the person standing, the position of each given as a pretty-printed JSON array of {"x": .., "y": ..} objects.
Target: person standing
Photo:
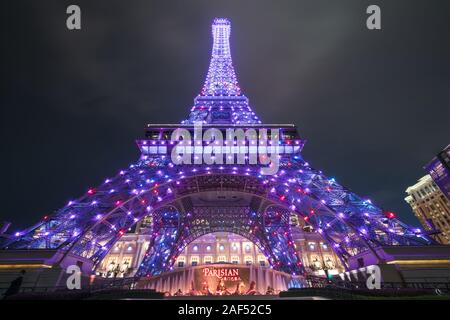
[{"x": 15, "y": 285}]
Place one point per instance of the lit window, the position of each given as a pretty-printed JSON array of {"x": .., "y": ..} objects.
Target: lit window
[
  {"x": 195, "y": 248},
  {"x": 207, "y": 260},
  {"x": 221, "y": 247},
  {"x": 208, "y": 248}
]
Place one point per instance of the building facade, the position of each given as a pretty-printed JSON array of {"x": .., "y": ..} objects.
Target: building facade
[
  {"x": 439, "y": 170},
  {"x": 220, "y": 247},
  {"x": 431, "y": 207},
  {"x": 164, "y": 212}
]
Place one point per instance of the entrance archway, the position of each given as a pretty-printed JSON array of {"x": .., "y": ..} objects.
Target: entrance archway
[{"x": 267, "y": 228}]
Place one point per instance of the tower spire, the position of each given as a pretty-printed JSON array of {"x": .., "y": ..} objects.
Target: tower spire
[
  {"x": 221, "y": 99},
  {"x": 221, "y": 79}
]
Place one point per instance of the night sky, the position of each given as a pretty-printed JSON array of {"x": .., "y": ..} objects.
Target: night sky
[{"x": 373, "y": 105}]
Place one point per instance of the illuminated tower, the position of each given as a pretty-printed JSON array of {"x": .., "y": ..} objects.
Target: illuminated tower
[
  {"x": 188, "y": 201},
  {"x": 221, "y": 100}
]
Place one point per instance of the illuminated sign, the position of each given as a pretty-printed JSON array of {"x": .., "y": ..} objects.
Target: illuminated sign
[{"x": 225, "y": 274}]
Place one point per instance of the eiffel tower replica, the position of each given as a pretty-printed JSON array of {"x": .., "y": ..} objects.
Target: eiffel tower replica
[{"x": 186, "y": 201}]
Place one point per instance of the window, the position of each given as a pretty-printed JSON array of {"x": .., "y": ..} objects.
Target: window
[
  {"x": 248, "y": 260},
  {"x": 152, "y": 134},
  {"x": 262, "y": 263},
  {"x": 221, "y": 259},
  {"x": 235, "y": 260},
  {"x": 165, "y": 135},
  {"x": 207, "y": 260},
  {"x": 194, "y": 261},
  {"x": 289, "y": 135},
  {"x": 181, "y": 261}
]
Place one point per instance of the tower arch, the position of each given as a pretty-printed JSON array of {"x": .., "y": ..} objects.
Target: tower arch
[{"x": 89, "y": 226}]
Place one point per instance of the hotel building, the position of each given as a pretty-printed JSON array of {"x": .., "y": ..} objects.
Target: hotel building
[
  {"x": 220, "y": 247},
  {"x": 431, "y": 207}
]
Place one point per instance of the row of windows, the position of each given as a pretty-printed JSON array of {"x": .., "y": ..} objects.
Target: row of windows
[
  {"x": 221, "y": 149},
  {"x": 167, "y": 135},
  {"x": 313, "y": 246},
  {"x": 425, "y": 191},
  {"x": 234, "y": 247},
  {"x": 181, "y": 262}
]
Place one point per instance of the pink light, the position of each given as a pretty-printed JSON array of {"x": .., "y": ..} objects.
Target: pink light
[{"x": 389, "y": 214}]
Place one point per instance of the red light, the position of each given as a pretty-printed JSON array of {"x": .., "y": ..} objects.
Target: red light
[
  {"x": 118, "y": 203},
  {"x": 91, "y": 191},
  {"x": 389, "y": 214},
  {"x": 306, "y": 218},
  {"x": 282, "y": 198},
  {"x": 121, "y": 232},
  {"x": 45, "y": 217}
]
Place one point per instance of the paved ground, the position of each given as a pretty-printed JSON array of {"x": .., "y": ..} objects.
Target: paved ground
[{"x": 221, "y": 298}]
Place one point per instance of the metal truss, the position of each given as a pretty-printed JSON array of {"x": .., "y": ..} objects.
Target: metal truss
[{"x": 89, "y": 226}]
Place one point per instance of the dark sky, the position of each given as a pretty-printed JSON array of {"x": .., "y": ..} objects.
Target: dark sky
[{"x": 373, "y": 105}]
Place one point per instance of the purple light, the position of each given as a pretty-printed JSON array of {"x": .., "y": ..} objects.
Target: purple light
[{"x": 221, "y": 92}]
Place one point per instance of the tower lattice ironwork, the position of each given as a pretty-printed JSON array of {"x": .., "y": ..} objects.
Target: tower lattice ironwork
[{"x": 190, "y": 200}]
